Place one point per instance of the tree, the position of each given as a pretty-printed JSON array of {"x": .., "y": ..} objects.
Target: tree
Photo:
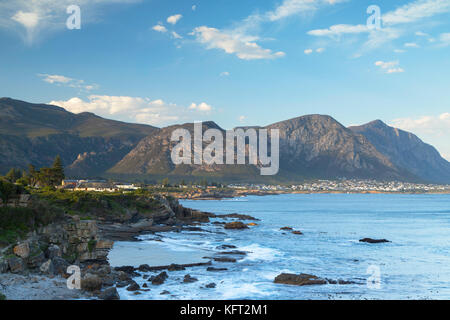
[
  {"x": 32, "y": 175},
  {"x": 166, "y": 182},
  {"x": 13, "y": 175},
  {"x": 7, "y": 190},
  {"x": 58, "y": 171}
]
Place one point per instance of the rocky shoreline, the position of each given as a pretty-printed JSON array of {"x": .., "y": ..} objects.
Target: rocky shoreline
[
  {"x": 36, "y": 268},
  {"x": 44, "y": 256}
]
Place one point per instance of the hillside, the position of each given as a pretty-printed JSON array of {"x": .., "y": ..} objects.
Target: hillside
[
  {"x": 406, "y": 150},
  {"x": 36, "y": 133}
]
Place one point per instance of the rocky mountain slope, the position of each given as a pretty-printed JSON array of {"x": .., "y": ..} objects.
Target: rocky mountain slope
[
  {"x": 87, "y": 144},
  {"x": 406, "y": 150},
  {"x": 313, "y": 146}
]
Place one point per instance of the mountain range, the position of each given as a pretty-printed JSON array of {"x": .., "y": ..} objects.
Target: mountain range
[{"x": 311, "y": 147}]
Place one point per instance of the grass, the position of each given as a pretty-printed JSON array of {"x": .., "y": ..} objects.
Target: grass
[{"x": 15, "y": 223}]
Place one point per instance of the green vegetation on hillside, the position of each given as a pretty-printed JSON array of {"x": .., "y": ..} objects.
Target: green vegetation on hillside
[{"x": 45, "y": 177}]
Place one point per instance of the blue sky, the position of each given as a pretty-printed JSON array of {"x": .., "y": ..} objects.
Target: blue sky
[{"x": 237, "y": 62}]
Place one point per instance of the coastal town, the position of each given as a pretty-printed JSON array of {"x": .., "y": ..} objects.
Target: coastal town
[{"x": 316, "y": 186}]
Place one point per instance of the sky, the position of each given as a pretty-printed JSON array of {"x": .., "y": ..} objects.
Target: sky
[{"x": 236, "y": 62}]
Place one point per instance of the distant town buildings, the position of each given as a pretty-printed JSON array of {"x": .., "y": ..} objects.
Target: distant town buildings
[
  {"x": 345, "y": 185},
  {"x": 96, "y": 186}
]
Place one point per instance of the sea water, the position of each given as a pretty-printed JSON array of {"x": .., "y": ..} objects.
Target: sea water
[{"x": 414, "y": 265}]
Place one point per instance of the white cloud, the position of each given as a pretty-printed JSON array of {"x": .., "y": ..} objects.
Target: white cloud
[
  {"x": 224, "y": 74},
  {"x": 242, "y": 119},
  {"x": 32, "y": 19},
  {"x": 233, "y": 43},
  {"x": 239, "y": 40},
  {"x": 135, "y": 109},
  {"x": 294, "y": 7},
  {"x": 444, "y": 38},
  {"x": 320, "y": 50},
  {"x": 66, "y": 81},
  {"x": 411, "y": 45},
  {"x": 409, "y": 13},
  {"x": 399, "y": 51},
  {"x": 28, "y": 19},
  {"x": 176, "y": 35},
  {"x": 203, "y": 107},
  {"x": 174, "y": 19},
  {"x": 415, "y": 11},
  {"x": 308, "y": 51},
  {"x": 194, "y": 7},
  {"x": 339, "y": 29},
  {"x": 389, "y": 67},
  {"x": 160, "y": 28},
  {"x": 421, "y": 34}
]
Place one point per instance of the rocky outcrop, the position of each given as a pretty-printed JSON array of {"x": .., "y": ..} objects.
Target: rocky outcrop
[
  {"x": 236, "y": 225},
  {"x": 304, "y": 279},
  {"x": 370, "y": 240},
  {"x": 407, "y": 151}
]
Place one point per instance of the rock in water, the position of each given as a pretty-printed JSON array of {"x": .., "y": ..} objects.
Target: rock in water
[
  {"x": 91, "y": 283},
  {"x": 175, "y": 267},
  {"x": 236, "y": 225},
  {"x": 302, "y": 279},
  {"x": 210, "y": 285},
  {"x": 369, "y": 240},
  {"x": 224, "y": 259},
  {"x": 189, "y": 279},
  {"x": 160, "y": 278},
  {"x": 110, "y": 294},
  {"x": 133, "y": 286},
  {"x": 212, "y": 269}
]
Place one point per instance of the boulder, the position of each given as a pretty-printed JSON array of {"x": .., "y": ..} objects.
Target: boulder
[
  {"x": 210, "y": 285},
  {"x": 226, "y": 246},
  {"x": 109, "y": 294},
  {"x": 175, "y": 267},
  {"x": 16, "y": 265},
  {"x": 286, "y": 229},
  {"x": 189, "y": 279},
  {"x": 53, "y": 251},
  {"x": 91, "y": 283},
  {"x": 159, "y": 279},
  {"x": 133, "y": 286},
  {"x": 4, "y": 266},
  {"x": 369, "y": 240},
  {"x": 302, "y": 279},
  {"x": 212, "y": 269},
  {"x": 47, "y": 267},
  {"x": 144, "y": 268},
  {"x": 36, "y": 260},
  {"x": 236, "y": 225},
  {"x": 224, "y": 259},
  {"x": 234, "y": 252},
  {"x": 237, "y": 216},
  {"x": 60, "y": 266},
  {"x": 22, "y": 250},
  {"x": 297, "y": 233}
]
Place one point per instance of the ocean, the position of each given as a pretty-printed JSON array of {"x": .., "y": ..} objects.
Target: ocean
[{"x": 414, "y": 265}]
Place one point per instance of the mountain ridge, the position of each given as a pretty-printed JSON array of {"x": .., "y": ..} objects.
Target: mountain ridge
[{"x": 311, "y": 146}]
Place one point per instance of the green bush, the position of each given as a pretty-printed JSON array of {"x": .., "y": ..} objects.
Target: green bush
[{"x": 2, "y": 296}]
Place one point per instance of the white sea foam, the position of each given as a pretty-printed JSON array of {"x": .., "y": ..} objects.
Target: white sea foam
[{"x": 257, "y": 252}]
